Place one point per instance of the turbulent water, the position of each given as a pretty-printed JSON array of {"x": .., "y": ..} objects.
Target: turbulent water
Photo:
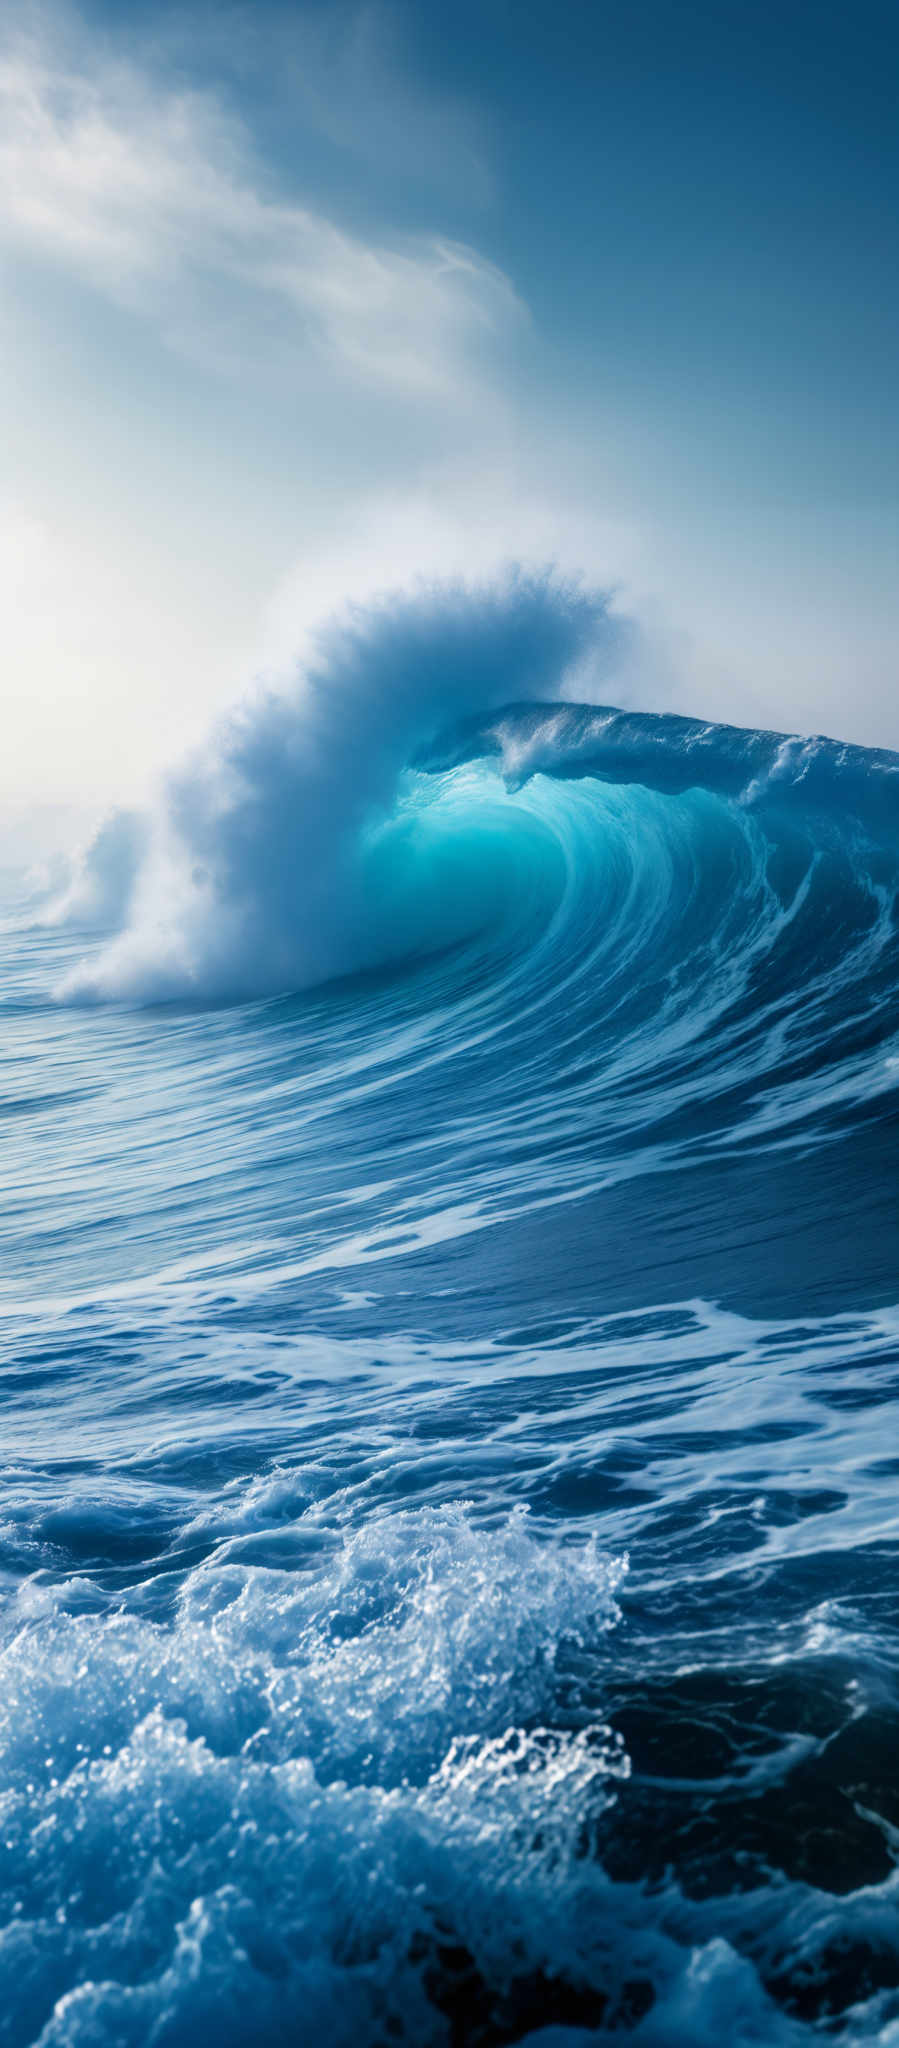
[{"x": 450, "y": 1486}]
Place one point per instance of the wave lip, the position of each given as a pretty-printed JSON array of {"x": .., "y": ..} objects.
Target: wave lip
[{"x": 667, "y": 752}]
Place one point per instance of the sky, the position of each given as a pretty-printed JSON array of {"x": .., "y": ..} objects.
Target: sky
[{"x": 303, "y": 302}]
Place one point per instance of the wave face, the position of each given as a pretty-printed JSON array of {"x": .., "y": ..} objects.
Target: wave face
[{"x": 451, "y": 1335}]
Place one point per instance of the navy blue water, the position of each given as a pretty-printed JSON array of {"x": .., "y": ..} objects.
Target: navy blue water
[{"x": 450, "y": 1486}]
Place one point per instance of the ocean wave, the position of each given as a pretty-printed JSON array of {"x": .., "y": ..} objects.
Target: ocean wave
[
  {"x": 638, "y": 945},
  {"x": 518, "y": 1131},
  {"x": 403, "y": 805}
]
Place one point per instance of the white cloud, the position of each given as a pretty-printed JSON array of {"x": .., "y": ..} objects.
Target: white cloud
[{"x": 151, "y": 193}]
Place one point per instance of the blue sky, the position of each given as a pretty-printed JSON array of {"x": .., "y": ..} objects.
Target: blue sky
[{"x": 301, "y": 301}]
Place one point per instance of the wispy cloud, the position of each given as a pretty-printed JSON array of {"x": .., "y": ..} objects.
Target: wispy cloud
[
  {"x": 343, "y": 71},
  {"x": 152, "y": 194}
]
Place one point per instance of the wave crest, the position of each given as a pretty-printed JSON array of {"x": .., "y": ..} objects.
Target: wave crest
[{"x": 252, "y": 881}]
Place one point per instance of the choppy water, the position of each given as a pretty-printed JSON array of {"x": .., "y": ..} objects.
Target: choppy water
[{"x": 450, "y": 1486}]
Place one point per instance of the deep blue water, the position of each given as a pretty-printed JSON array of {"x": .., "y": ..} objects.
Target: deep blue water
[{"x": 450, "y": 1483}]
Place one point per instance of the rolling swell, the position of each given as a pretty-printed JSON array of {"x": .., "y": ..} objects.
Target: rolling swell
[{"x": 452, "y": 1376}]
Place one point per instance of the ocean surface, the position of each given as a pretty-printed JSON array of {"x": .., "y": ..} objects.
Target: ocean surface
[{"x": 449, "y": 1323}]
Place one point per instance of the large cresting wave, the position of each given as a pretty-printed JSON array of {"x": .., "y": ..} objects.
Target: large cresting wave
[
  {"x": 321, "y": 830},
  {"x": 254, "y": 877}
]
